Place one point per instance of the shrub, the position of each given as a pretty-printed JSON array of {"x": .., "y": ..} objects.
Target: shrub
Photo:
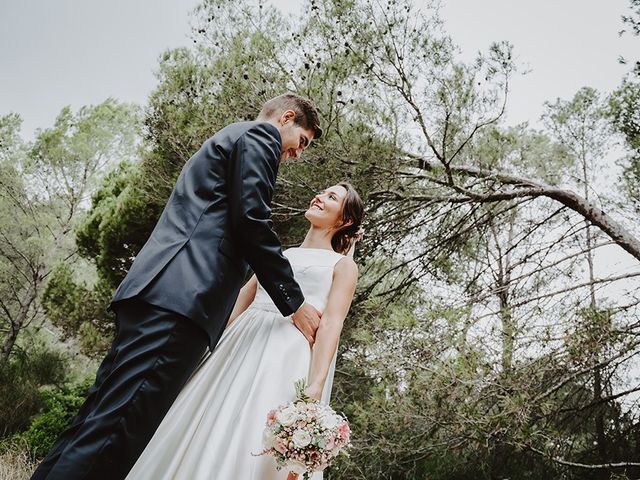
[
  {"x": 60, "y": 406},
  {"x": 20, "y": 380}
]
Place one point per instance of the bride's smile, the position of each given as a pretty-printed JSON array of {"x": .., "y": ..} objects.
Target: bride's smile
[{"x": 325, "y": 208}]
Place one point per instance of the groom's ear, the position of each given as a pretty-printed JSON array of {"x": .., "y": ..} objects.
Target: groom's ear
[{"x": 287, "y": 116}]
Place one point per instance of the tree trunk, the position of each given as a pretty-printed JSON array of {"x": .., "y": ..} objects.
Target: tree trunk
[
  {"x": 18, "y": 322},
  {"x": 502, "y": 288},
  {"x": 597, "y": 373}
]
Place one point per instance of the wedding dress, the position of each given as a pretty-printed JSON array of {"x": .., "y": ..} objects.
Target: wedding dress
[{"x": 215, "y": 426}]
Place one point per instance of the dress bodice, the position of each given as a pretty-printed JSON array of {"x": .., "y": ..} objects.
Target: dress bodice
[{"x": 313, "y": 270}]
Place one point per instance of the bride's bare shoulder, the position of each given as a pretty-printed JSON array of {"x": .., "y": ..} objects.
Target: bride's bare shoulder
[{"x": 346, "y": 268}]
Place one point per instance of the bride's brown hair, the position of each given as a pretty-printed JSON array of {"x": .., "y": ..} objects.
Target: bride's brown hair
[{"x": 352, "y": 214}]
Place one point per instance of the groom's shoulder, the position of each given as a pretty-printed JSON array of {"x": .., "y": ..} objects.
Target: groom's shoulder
[
  {"x": 257, "y": 135},
  {"x": 238, "y": 129}
]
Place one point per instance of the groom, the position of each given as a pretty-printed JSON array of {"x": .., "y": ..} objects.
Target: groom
[{"x": 182, "y": 286}]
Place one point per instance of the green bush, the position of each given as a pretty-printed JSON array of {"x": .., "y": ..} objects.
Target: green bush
[
  {"x": 60, "y": 406},
  {"x": 20, "y": 381}
]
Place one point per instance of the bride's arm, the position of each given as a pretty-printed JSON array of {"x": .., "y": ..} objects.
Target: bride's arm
[
  {"x": 245, "y": 297},
  {"x": 345, "y": 276}
]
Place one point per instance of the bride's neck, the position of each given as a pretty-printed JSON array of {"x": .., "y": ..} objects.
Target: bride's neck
[{"x": 318, "y": 238}]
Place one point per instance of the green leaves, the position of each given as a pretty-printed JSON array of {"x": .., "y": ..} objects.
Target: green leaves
[
  {"x": 66, "y": 159},
  {"x": 43, "y": 189},
  {"x": 119, "y": 223},
  {"x": 58, "y": 409},
  {"x": 624, "y": 105},
  {"x": 79, "y": 311}
]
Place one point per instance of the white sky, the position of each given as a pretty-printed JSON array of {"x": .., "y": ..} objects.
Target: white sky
[
  {"x": 78, "y": 52},
  {"x": 567, "y": 44}
]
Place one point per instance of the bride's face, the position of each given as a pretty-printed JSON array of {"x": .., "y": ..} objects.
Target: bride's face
[{"x": 325, "y": 209}]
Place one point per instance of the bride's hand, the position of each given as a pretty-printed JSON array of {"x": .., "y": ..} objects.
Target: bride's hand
[{"x": 292, "y": 476}]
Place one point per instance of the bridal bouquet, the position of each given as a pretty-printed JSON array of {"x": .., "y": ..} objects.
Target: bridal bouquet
[{"x": 305, "y": 436}]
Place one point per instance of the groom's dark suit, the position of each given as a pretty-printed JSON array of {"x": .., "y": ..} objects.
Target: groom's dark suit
[
  {"x": 216, "y": 220},
  {"x": 177, "y": 297}
]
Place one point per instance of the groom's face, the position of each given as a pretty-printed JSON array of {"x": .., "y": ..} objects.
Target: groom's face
[{"x": 295, "y": 138}]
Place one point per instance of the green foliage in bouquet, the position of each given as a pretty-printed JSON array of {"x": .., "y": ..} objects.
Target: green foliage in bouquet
[{"x": 301, "y": 392}]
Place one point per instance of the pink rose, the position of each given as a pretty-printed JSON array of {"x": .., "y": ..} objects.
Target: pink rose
[
  {"x": 344, "y": 432},
  {"x": 271, "y": 417},
  {"x": 281, "y": 446}
]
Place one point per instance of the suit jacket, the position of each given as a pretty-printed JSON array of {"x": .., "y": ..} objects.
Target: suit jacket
[{"x": 217, "y": 223}]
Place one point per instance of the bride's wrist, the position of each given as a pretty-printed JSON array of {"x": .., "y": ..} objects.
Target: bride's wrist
[{"x": 314, "y": 391}]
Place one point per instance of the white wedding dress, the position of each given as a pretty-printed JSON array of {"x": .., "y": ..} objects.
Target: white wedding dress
[{"x": 215, "y": 425}]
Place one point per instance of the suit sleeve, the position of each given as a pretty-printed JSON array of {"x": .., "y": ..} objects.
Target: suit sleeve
[{"x": 253, "y": 167}]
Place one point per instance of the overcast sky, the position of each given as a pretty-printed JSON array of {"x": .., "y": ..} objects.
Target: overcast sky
[
  {"x": 567, "y": 44},
  {"x": 79, "y": 52}
]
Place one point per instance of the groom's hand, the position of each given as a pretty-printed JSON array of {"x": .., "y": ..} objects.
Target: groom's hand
[{"x": 307, "y": 320}]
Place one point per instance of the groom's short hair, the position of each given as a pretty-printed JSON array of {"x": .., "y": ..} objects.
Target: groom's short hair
[{"x": 306, "y": 113}]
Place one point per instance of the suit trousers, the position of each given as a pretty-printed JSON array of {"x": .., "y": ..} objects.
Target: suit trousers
[{"x": 152, "y": 357}]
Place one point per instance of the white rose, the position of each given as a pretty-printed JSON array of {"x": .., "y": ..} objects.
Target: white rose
[
  {"x": 287, "y": 416},
  {"x": 268, "y": 438},
  {"x": 296, "y": 467},
  {"x": 330, "y": 421},
  {"x": 301, "y": 438}
]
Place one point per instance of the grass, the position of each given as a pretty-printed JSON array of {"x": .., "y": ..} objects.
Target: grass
[{"x": 15, "y": 465}]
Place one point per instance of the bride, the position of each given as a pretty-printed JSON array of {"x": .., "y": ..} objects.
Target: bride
[{"x": 215, "y": 426}]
